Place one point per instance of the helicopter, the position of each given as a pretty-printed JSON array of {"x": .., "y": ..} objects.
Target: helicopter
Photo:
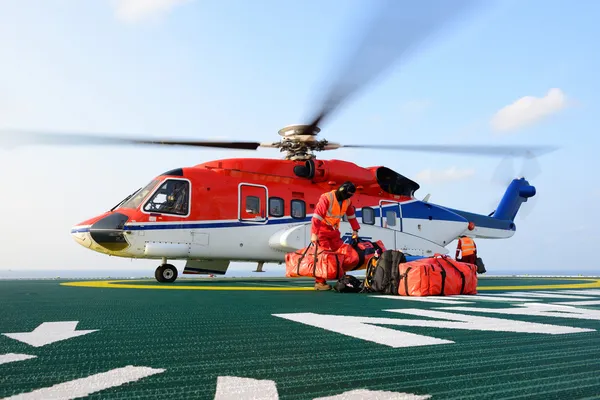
[{"x": 260, "y": 209}]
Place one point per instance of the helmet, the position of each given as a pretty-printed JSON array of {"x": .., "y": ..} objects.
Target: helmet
[{"x": 346, "y": 190}]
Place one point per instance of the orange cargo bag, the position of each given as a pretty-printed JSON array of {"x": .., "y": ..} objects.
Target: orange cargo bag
[
  {"x": 461, "y": 276},
  {"x": 351, "y": 258},
  {"x": 315, "y": 263},
  {"x": 421, "y": 278},
  {"x": 437, "y": 276}
]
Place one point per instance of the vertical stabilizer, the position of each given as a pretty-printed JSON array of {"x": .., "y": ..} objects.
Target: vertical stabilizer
[{"x": 517, "y": 192}]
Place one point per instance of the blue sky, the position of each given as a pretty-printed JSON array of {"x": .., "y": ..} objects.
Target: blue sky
[{"x": 242, "y": 70}]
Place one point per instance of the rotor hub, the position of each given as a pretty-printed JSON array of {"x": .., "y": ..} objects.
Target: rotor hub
[{"x": 300, "y": 142}]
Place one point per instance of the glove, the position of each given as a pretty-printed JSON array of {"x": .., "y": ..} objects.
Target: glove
[{"x": 313, "y": 238}]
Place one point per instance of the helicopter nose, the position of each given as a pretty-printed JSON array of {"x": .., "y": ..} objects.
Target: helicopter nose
[
  {"x": 81, "y": 235},
  {"x": 107, "y": 233}
]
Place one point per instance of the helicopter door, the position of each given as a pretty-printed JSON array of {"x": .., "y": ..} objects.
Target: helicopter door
[
  {"x": 390, "y": 215},
  {"x": 252, "y": 201}
]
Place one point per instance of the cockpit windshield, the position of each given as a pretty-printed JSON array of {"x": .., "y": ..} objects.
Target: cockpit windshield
[{"x": 136, "y": 199}]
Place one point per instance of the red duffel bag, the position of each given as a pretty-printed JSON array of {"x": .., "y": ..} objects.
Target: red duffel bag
[
  {"x": 314, "y": 263},
  {"x": 465, "y": 274},
  {"x": 437, "y": 276},
  {"x": 351, "y": 257},
  {"x": 421, "y": 278}
]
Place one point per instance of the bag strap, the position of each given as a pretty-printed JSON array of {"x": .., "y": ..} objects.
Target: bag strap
[
  {"x": 369, "y": 273},
  {"x": 443, "y": 273},
  {"x": 315, "y": 260},
  {"x": 462, "y": 275},
  {"x": 302, "y": 257}
]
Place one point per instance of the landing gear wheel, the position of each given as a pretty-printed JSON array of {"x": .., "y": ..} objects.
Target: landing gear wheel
[{"x": 166, "y": 273}]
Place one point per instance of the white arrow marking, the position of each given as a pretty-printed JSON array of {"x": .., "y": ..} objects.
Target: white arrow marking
[
  {"x": 12, "y": 357},
  {"x": 235, "y": 388},
  {"x": 49, "y": 332},
  {"x": 362, "y": 394},
  {"x": 85, "y": 386}
]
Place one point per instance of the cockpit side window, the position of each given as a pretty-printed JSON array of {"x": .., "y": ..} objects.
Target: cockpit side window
[{"x": 172, "y": 197}]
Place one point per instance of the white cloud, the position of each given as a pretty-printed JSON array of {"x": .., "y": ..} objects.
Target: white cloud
[
  {"x": 448, "y": 175},
  {"x": 137, "y": 10},
  {"x": 528, "y": 110}
]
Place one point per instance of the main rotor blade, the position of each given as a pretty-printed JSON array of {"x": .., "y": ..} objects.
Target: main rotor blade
[
  {"x": 20, "y": 138},
  {"x": 481, "y": 150},
  {"x": 397, "y": 28}
]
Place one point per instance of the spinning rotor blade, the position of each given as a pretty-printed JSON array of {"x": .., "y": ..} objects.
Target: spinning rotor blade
[
  {"x": 505, "y": 171},
  {"x": 17, "y": 138},
  {"x": 481, "y": 150},
  {"x": 399, "y": 27}
]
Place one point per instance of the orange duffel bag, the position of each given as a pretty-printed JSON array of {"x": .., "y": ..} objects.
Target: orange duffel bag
[
  {"x": 437, "y": 276},
  {"x": 465, "y": 273},
  {"x": 315, "y": 263},
  {"x": 351, "y": 257}
]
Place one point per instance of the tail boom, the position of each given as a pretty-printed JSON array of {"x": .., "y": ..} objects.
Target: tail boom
[{"x": 500, "y": 223}]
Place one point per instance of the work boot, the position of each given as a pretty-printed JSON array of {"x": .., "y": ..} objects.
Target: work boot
[{"x": 322, "y": 286}]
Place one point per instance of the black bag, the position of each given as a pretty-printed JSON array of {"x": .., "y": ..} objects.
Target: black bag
[
  {"x": 383, "y": 273},
  {"x": 480, "y": 266},
  {"x": 348, "y": 284}
]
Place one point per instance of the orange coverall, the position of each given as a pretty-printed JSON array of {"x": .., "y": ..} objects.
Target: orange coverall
[{"x": 329, "y": 236}]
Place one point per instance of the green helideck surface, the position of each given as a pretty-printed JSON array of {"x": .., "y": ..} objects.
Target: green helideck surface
[{"x": 197, "y": 336}]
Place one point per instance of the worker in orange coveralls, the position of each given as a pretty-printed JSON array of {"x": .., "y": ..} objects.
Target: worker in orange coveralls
[
  {"x": 330, "y": 209},
  {"x": 468, "y": 248}
]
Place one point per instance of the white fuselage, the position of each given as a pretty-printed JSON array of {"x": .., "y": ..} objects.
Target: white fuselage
[{"x": 271, "y": 239}]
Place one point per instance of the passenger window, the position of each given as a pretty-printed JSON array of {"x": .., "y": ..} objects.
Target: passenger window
[
  {"x": 391, "y": 218},
  {"x": 252, "y": 205},
  {"x": 172, "y": 197},
  {"x": 276, "y": 206},
  {"x": 298, "y": 209},
  {"x": 368, "y": 216}
]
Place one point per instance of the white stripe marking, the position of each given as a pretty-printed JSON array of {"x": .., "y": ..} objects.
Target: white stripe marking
[
  {"x": 234, "y": 388},
  {"x": 545, "y": 295},
  {"x": 487, "y": 297},
  {"x": 590, "y": 292},
  {"x": 538, "y": 310},
  {"x": 12, "y": 357},
  {"x": 580, "y": 303},
  {"x": 362, "y": 394},
  {"x": 86, "y": 386},
  {"x": 431, "y": 299}
]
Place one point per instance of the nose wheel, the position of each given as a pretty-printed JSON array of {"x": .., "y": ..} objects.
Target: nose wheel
[{"x": 166, "y": 273}]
